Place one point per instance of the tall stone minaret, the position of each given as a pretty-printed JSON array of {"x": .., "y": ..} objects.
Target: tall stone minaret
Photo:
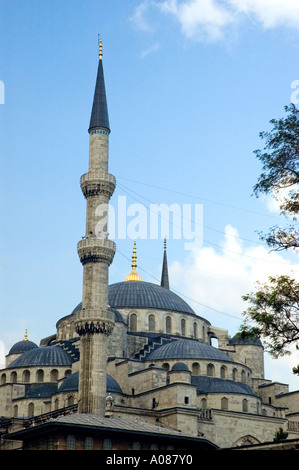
[{"x": 94, "y": 323}]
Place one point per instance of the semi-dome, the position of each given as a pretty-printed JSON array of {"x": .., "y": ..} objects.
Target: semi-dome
[
  {"x": 206, "y": 384},
  {"x": 42, "y": 356},
  {"x": 187, "y": 349},
  {"x": 71, "y": 383},
  {"x": 242, "y": 339}
]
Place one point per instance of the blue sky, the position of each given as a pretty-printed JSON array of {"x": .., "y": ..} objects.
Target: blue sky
[{"x": 190, "y": 84}]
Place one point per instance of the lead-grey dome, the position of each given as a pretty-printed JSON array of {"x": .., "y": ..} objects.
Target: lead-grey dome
[
  {"x": 188, "y": 349},
  {"x": 42, "y": 356},
  {"x": 72, "y": 381},
  {"x": 145, "y": 295},
  {"x": 22, "y": 346}
]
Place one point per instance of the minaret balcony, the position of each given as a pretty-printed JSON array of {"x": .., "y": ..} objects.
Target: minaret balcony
[
  {"x": 96, "y": 250},
  {"x": 94, "y": 321},
  {"x": 97, "y": 182}
]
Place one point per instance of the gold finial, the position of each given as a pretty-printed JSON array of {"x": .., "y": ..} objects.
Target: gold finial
[
  {"x": 26, "y": 336},
  {"x": 134, "y": 276},
  {"x": 100, "y": 48}
]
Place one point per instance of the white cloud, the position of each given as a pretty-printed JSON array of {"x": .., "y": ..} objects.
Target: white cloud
[
  {"x": 150, "y": 50},
  {"x": 218, "y": 278},
  {"x": 212, "y": 20}
]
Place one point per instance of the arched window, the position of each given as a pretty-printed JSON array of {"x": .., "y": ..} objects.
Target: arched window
[
  {"x": 13, "y": 377},
  {"x": 195, "y": 330},
  {"x": 26, "y": 376},
  {"x": 133, "y": 322},
  {"x": 107, "y": 444},
  {"x": 224, "y": 403},
  {"x": 243, "y": 376},
  {"x": 31, "y": 409},
  {"x": 70, "y": 442},
  {"x": 235, "y": 375},
  {"x": 183, "y": 327},
  {"x": 88, "y": 444},
  {"x": 40, "y": 375},
  {"x": 210, "y": 370},
  {"x": 245, "y": 405},
  {"x": 56, "y": 404},
  {"x": 166, "y": 366},
  {"x": 3, "y": 379},
  {"x": 203, "y": 403},
  {"x": 54, "y": 375},
  {"x": 151, "y": 323},
  {"x": 223, "y": 372},
  {"x": 195, "y": 368},
  {"x": 168, "y": 325},
  {"x": 15, "y": 411},
  {"x": 70, "y": 400}
]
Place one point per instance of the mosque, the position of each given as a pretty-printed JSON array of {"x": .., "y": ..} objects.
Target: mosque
[{"x": 133, "y": 366}]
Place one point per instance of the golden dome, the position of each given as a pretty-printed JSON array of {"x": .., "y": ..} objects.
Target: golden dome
[{"x": 133, "y": 276}]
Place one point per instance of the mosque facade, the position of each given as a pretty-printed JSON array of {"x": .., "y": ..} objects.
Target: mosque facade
[{"x": 133, "y": 365}]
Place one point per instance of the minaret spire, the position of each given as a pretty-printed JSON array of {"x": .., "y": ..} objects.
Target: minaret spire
[
  {"x": 164, "y": 276},
  {"x": 94, "y": 322}
]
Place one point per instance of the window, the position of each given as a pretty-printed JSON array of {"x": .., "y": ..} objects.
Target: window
[
  {"x": 107, "y": 444},
  {"x": 154, "y": 447},
  {"x": 151, "y": 323},
  {"x": 133, "y": 322},
  {"x": 3, "y": 379},
  {"x": 186, "y": 400},
  {"x": 235, "y": 375},
  {"x": 183, "y": 327},
  {"x": 195, "y": 368},
  {"x": 51, "y": 443},
  {"x": 54, "y": 375},
  {"x": 166, "y": 366},
  {"x": 26, "y": 376},
  {"x": 31, "y": 409},
  {"x": 195, "y": 330},
  {"x": 203, "y": 403},
  {"x": 15, "y": 411},
  {"x": 89, "y": 444},
  {"x": 245, "y": 405},
  {"x": 210, "y": 370},
  {"x": 168, "y": 325},
  {"x": 224, "y": 403},
  {"x": 223, "y": 372},
  {"x": 243, "y": 376},
  {"x": 13, "y": 377},
  {"x": 40, "y": 375},
  {"x": 70, "y": 442}
]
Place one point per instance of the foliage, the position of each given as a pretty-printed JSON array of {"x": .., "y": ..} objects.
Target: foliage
[
  {"x": 275, "y": 310},
  {"x": 280, "y": 175},
  {"x": 280, "y": 435}
]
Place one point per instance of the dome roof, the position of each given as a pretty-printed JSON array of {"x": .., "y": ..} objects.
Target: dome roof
[
  {"x": 22, "y": 346},
  {"x": 145, "y": 295},
  {"x": 206, "y": 384},
  {"x": 72, "y": 381},
  {"x": 42, "y": 356},
  {"x": 188, "y": 349},
  {"x": 179, "y": 367},
  {"x": 118, "y": 315}
]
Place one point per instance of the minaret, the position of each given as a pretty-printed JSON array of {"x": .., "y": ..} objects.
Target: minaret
[
  {"x": 164, "y": 275},
  {"x": 94, "y": 323}
]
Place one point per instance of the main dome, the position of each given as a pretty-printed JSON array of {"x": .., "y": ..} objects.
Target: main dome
[{"x": 144, "y": 295}]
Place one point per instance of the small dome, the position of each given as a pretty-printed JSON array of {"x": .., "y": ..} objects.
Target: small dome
[
  {"x": 22, "y": 347},
  {"x": 188, "y": 349},
  {"x": 206, "y": 384},
  {"x": 42, "y": 356},
  {"x": 72, "y": 381},
  {"x": 179, "y": 367},
  {"x": 250, "y": 340}
]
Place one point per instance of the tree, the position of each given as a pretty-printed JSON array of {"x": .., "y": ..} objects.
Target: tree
[
  {"x": 275, "y": 310},
  {"x": 280, "y": 175},
  {"x": 275, "y": 305}
]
